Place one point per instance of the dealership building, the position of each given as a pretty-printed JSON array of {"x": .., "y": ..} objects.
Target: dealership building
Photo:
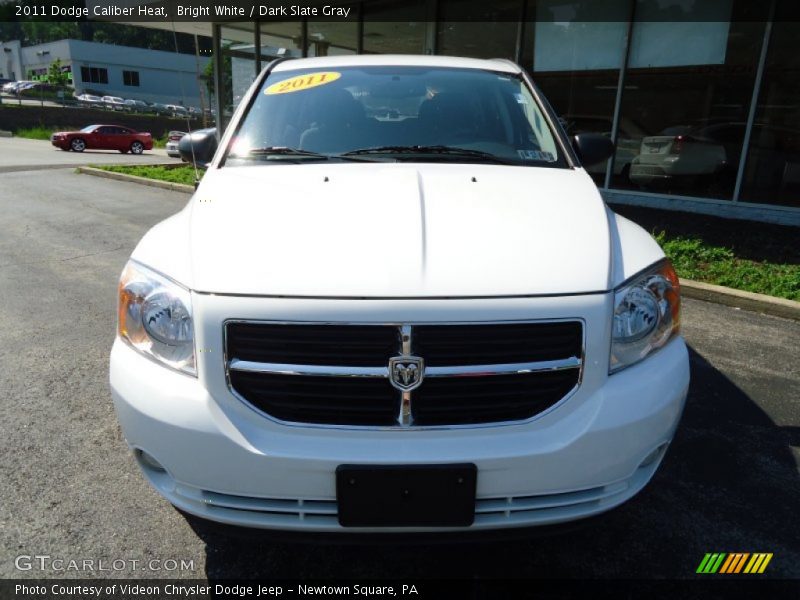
[
  {"x": 110, "y": 70},
  {"x": 701, "y": 96}
]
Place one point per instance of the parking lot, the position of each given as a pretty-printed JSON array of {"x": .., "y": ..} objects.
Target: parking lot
[
  {"x": 70, "y": 489},
  {"x": 19, "y": 154}
]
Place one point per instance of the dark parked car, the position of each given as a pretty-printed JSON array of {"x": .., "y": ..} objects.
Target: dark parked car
[
  {"x": 139, "y": 106},
  {"x": 160, "y": 109},
  {"x": 103, "y": 137}
]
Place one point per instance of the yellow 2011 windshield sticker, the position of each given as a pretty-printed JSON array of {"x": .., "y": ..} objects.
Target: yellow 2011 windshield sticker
[{"x": 302, "y": 82}]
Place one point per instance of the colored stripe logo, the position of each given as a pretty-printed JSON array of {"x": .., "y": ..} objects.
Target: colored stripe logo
[{"x": 734, "y": 562}]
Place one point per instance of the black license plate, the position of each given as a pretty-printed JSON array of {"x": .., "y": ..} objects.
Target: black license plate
[{"x": 406, "y": 496}]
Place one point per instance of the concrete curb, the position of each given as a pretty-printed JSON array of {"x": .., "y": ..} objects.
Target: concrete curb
[
  {"x": 770, "y": 305},
  {"x": 779, "y": 307},
  {"x": 166, "y": 185}
]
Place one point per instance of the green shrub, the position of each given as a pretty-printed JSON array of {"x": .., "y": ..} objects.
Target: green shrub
[
  {"x": 181, "y": 174},
  {"x": 38, "y": 133},
  {"x": 695, "y": 258}
]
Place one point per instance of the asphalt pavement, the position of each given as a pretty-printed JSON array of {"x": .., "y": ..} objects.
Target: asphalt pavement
[
  {"x": 14, "y": 100},
  {"x": 20, "y": 154},
  {"x": 70, "y": 489}
]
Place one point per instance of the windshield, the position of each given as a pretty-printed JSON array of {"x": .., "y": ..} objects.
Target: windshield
[
  {"x": 395, "y": 113},
  {"x": 88, "y": 128}
]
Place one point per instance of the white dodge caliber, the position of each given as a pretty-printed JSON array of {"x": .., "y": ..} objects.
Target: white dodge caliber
[{"x": 398, "y": 303}]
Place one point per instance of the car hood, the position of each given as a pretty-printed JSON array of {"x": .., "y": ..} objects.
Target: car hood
[{"x": 398, "y": 230}]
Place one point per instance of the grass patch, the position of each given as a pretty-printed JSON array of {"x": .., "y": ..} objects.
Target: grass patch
[
  {"x": 181, "y": 174},
  {"x": 160, "y": 142},
  {"x": 696, "y": 259},
  {"x": 755, "y": 257},
  {"x": 38, "y": 133}
]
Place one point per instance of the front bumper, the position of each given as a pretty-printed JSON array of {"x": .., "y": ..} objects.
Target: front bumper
[{"x": 225, "y": 462}]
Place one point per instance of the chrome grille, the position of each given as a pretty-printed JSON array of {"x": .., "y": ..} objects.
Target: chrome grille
[{"x": 339, "y": 375}]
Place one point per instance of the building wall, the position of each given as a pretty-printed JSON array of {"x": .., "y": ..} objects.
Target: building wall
[
  {"x": 166, "y": 77},
  {"x": 10, "y": 65}
]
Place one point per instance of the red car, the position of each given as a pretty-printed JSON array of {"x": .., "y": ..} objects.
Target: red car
[{"x": 103, "y": 137}]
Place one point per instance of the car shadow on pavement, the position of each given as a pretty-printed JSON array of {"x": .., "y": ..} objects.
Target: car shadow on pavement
[{"x": 729, "y": 483}]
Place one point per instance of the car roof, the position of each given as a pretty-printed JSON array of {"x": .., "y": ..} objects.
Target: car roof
[{"x": 391, "y": 60}]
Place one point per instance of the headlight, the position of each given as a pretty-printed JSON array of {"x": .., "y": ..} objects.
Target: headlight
[
  {"x": 646, "y": 315},
  {"x": 155, "y": 317}
]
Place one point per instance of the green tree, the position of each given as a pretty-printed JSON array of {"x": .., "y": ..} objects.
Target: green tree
[
  {"x": 38, "y": 32},
  {"x": 208, "y": 74},
  {"x": 55, "y": 76}
]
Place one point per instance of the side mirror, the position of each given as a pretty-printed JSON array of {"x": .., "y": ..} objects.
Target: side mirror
[
  {"x": 592, "y": 148},
  {"x": 198, "y": 147}
]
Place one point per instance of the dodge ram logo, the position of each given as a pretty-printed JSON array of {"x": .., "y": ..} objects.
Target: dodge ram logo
[{"x": 405, "y": 372}]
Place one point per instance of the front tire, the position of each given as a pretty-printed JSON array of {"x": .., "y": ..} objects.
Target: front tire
[
  {"x": 78, "y": 145},
  {"x": 137, "y": 147}
]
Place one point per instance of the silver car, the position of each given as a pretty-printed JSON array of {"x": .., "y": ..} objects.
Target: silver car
[
  {"x": 90, "y": 101},
  {"x": 114, "y": 103},
  {"x": 173, "y": 139}
]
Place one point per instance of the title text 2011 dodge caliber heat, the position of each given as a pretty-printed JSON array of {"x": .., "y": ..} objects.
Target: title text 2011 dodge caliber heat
[{"x": 397, "y": 302}]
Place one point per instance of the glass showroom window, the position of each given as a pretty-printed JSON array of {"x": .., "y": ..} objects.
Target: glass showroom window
[
  {"x": 575, "y": 51},
  {"x": 238, "y": 50},
  {"x": 493, "y": 35},
  {"x": 688, "y": 88},
  {"x": 395, "y": 27},
  {"x": 327, "y": 38},
  {"x": 238, "y": 46},
  {"x": 281, "y": 39},
  {"x": 772, "y": 173}
]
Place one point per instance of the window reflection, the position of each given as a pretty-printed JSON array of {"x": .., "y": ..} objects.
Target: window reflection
[
  {"x": 772, "y": 174},
  {"x": 278, "y": 39},
  {"x": 395, "y": 27},
  {"x": 478, "y": 29},
  {"x": 690, "y": 77},
  {"x": 336, "y": 38},
  {"x": 575, "y": 50}
]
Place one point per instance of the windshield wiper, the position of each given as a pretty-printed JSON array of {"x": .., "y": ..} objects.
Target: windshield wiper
[
  {"x": 292, "y": 153},
  {"x": 453, "y": 151}
]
